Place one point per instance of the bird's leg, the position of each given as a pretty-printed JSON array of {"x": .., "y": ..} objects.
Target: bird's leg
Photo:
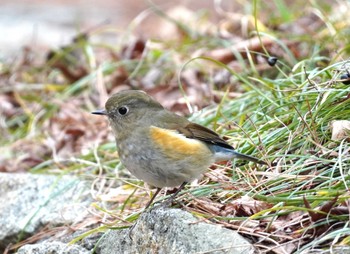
[
  {"x": 147, "y": 206},
  {"x": 172, "y": 197},
  {"x": 166, "y": 203},
  {"x": 154, "y": 196}
]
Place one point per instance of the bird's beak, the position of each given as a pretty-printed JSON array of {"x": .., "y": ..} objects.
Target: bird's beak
[{"x": 99, "y": 112}]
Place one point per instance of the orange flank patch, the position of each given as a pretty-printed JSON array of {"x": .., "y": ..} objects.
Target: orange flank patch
[{"x": 176, "y": 145}]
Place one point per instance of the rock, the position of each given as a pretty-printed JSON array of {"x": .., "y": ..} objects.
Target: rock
[
  {"x": 28, "y": 202},
  {"x": 339, "y": 250},
  {"x": 52, "y": 248},
  {"x": 173, "y": 231}
]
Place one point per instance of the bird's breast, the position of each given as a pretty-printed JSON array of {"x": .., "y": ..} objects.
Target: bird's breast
[{"x": 163, "y": 157}]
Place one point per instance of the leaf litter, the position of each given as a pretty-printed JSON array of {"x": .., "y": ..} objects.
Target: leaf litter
[{"x": 45, "y": 104}]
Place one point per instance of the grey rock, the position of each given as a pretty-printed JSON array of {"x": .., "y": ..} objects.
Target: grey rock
[
  {"x": 332, "y": 250},
  {"x": 28, "y": 202},
  {"x": 340, "y": 250},
  {"x": 52, "y": 248},
  {"x": 164, "y": 230}
]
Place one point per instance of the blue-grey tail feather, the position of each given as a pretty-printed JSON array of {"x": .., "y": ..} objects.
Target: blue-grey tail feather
[{"x": 223, "y": 153}]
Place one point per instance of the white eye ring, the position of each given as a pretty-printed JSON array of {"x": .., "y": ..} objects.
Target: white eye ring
[{"x": 123, "y": 110}]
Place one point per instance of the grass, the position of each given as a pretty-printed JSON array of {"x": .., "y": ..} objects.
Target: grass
[{"x": 282, "y": 114}]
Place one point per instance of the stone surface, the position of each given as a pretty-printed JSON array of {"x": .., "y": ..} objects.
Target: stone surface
[
  {"x": 52, "y": 248},
  {"x": 28, "y": 202},
  {"x": 173, "y": 231},
  {"x": 339, "y": 250}
]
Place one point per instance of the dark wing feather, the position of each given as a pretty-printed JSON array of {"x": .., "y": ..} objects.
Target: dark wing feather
[
  {"x": 169, "y": 120},
  {"x": 199, "y": 132},
  {"x": 196, "y": 131}
]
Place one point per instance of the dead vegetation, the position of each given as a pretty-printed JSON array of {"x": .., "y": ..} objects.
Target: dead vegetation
[{"x": 270, "y": 83}]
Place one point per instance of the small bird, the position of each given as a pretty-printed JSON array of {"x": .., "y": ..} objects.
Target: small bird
[{"x": 160, "y": 147}]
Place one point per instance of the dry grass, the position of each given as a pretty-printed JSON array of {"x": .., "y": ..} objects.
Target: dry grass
[{"x": 284, "y": 114}]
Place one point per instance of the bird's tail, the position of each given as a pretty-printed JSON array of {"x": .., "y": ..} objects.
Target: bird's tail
[
  {"x": 223, "y": 153},
  {"x": 248, "y": 158}
]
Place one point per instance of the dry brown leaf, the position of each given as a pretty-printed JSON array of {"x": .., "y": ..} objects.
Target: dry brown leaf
[
  {"x": 24, "y": 154},
  {"x": 284, "y": 248},
  {"x": 169, "y": 30},
  {"x": 207, "y": 205},
  {"x": 245, "y": 206},
  {"x": 70, "y": 59},
  {"x": 9, "y": 107},
  {"x": 171, "y": 97},
  {"x": 225, "y": 55},
  {"x": 310, "y": 23},
  {"x": 73, "y": 130},
  {"x": 326, "y": 208},
  {"x": 236, "y": 24},
  {"x": 134, "y": 49},
  {"x": 340, "y": 130}
]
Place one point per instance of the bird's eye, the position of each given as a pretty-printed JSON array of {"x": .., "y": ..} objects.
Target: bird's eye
[{"x": 123, "y": 110}]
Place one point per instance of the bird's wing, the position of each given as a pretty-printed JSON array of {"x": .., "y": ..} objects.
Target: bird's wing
[
  {"x": 196, "y": 131},
  {"x": 202, "y": 133},
  {"x": 190, "y": 130}
]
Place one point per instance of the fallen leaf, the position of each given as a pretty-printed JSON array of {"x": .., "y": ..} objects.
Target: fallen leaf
[
  {"x": 245, "y": 206},
  {"x": 340, "y": 130},
  {"x": 226, "y": 55},
  {"x": 181, "y": 22}
]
